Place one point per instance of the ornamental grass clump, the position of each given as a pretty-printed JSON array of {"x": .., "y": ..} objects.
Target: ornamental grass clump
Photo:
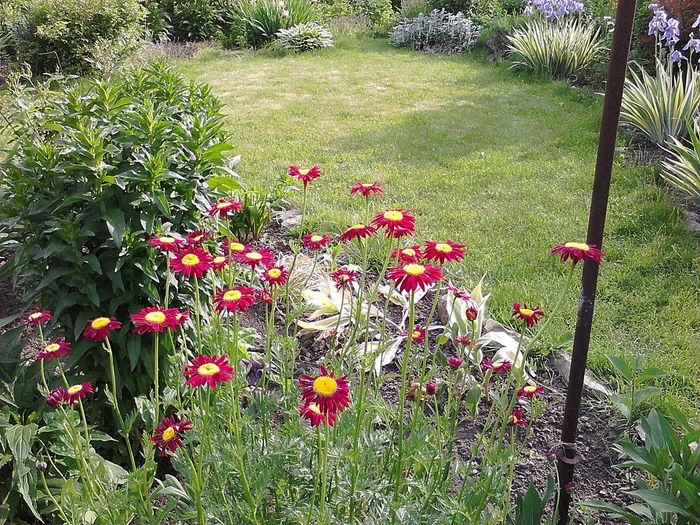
[
  {"x": 681, "y": 168},
  {"x": 436, "y": 32}
]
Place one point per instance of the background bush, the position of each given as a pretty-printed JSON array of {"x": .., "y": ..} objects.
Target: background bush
[
  {"x": 438, "y": 31},
  {"x": 93, "y": 171}
]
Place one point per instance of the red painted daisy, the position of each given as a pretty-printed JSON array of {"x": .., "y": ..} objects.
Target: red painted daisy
[
  {"x": 530, "y": 390},
  {"x": 38, "y": 317},
  {"x": 454, "y": 362},
  {"x": 208, "y": 370},
  {"x": 517, "y": 418},
  {"x": 410, "y": 277},
  {"x": 197, "y": 237},
  {"x": 264, "y": 295},
  {"x": 461, "y": 294},
  {"x": 57, "y": 396},
  {"x": 180, "y": 317},
  {"x": 167, "y": 437},
  {"x": 465, "y": 340},
  {"x": 366, "y": 188},
  {"x": 223, "y": 207},
  {"x": 98, "y": 329},
  {"x": 233, "y": 247},
  {"x": 78, "y": 391},
  {"x": 417, "y": 335},
  {"x": 358, "y": 231},
  {"x": 54, "y": 349},
  {"x": 344, "y": 277},
  {"x": 153, "y": 319},
  {"x": 275, "y": 276},
  {"x": 502, "y": 365},
  {"x": 167, "y": 243},
  {"x": 304, "y": 175},
  {"x": 408, "y": 255},
  {"x": 315, "y": 242},
  {"x": 444, "y": 251},
  {"x": 313, "y": 413},
  {"x": 237, "y": 299},
  {"x": 528, "y": 315},
  {"x": 219, "y": 262},
  {"x": 471, "y": 313},
  {"x": 192, "y": 260},
  {"x": 397, "y": 223},
  {"x": 255, "y": 258},
  {"x": 327, "y": 391},
  {"x": 578, "y": 251}
]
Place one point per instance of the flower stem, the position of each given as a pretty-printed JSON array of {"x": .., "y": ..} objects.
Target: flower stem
[
  {"x": 120, "y": 419},
  {"x": 156, "y": 382}
]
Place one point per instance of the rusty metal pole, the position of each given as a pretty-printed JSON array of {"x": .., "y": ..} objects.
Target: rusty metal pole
[{"x": 617, "y": 70}]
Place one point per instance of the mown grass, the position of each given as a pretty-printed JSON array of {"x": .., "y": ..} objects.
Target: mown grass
[{"x": 483, "y": 156}]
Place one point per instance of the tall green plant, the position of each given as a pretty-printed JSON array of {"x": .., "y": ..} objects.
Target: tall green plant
[
  {"x": 681, "y": 168},
  {"x": 264, "y": 18}
]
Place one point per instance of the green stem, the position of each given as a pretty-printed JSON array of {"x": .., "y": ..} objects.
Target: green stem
[
  {"x": 120, "y": 419},
  {"x": 554, "y": 310},
  {"x": 156, "y": 377},
  {"x": 324, "y": 477},
  {"x": 198, "y": 314}
]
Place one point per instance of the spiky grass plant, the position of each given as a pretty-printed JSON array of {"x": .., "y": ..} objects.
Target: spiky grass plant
[{"x": 682, "y": 168}]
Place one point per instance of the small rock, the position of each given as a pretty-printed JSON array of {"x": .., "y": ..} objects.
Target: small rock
[
  {"x": 561, "y": 362},
  {"x": 289, "y": 219},
  {"x": 692, "y": 221}
]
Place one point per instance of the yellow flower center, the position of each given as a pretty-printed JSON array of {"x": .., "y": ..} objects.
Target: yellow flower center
[
  {"x": 443, "y": 247},
  {"x": 514, "y": 420},
  {"x": 36, "y": 315},
  {"x": 358, "y": 227},
  {"x": 219, "y": 259},
  {"x": 155, "y": 317},
  {"x": 409, "y": 251},
  {"x": 236, "y": 247},
  {"x": 100, "y": 322},
  {"x": 526, "y": 311},
  {"x": 393, "y": 215},
  {"x": 416, "y": 334},
  {"x": 198, "y": 238},
  {"x": 274, "y": 273},
  {"x": 303, "y": 173},
  {"x": 168, "y": 434},
  {"x": 53, "y": 347},
  {"x": 316, "y": 238},
  {"x": 325, "y": 386},
  {"x": 208, "y": 369},
  {"x": 529, "y": 389},
  {"x": 166, "y": 240},
  {"x": 368, "y": 185},
  {"x": 255, "y": 256},
  {"x": 190, "y": 260},
  {"x": 232, "y": 295},
  {"x": 314, "y": 408},
  {"x": 414, "y": 269},
  {"x": 345, "y": 277},
  {"x": 223, "y": 205},
  {"x": 578, "y": 245},
  {"x": 75, "y": 389}
]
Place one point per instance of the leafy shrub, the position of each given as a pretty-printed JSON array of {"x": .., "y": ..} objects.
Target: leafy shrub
[
  {"x": 682, "y": 168},
  {"x": 438, "y": 31},
  {"x": 198, "y": 19},
  {"x": 93, "y": 171},
  {"x": 264, "y": 18},
  {"x": 53, "y": 34},
  {"x": 559, "y": 49},
  {"x": 478, "y": 10},
  {"x": 304, "y": 37},
  {"x": 660, "y": 106}
]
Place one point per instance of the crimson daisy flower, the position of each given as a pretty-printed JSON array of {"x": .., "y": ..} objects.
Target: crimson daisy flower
[
  {"x": 315, "y": 242},
  {"x": 313, "y": 413},
  {"x": 344, "y": 277},
  {"x": 78, "y": 391},
  {"x": 192, "y": 260},
  {"x": 417, "y": 335},
  {"x": 208, "y": 370},
  {"x": 167, "y": 243},
  {"x": 38, "y": 317},
  {"x": 360, "y": 231},
  {"x": 578, "y": 251},
  {"x": 454, "y": 362},
  {"x": 444, "y": 251},
  {"x": 465, "y": 340},
  {"x": 264, "y": 295},
  {"x": 502, "y": 365},
  {"x": 396, "y": 222},
  {"x": 198, "y": 236},
  {"x": 461, "y": 294},
  {"x": 275, "y": 276},
  {"x": 529, "y": 315},
  {"x": 219, "y": 262},
  {"x": 237, "y": 299},
  {"x": 98, "y": 329},
  {"x": 255, "y": 258},
  {"x": 327, "y": 391},
  {"x": 530, "y": 390},
  {"x": 408, "y": 255},
  {"x": 517, "y": 418},
  {"x": 366, "y": 188},
  {"x": 304, "y": 175},
  {"x": 471, "y": 313},
  {"x": 153, "y": 319},
  {"x": 223, "y": 207},
  {"x": 233, "y": 247},
  {"x": 167, "y": 437},
  {"x": 54, "y": 349},
  {"x": 180, "y": 317},
  {"x": 412, "y": 276},
  {"x": 57, "y": 396}
]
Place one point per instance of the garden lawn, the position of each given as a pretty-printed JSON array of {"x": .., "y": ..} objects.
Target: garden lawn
[{"x": 482, "y": 156}]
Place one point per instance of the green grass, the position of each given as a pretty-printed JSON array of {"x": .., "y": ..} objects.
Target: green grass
[{"x": 482, "y": 156}]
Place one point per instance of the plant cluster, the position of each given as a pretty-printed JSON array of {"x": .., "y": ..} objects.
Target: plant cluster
[
  {"x": 304, "y": 37},
  {"x": 437, "y": 32}
]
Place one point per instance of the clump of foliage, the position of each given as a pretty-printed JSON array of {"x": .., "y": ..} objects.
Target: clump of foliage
[
  {"x": 559, "y": 49},
  {"x": 191, "y": 20},
  {"x": 60, "y": 34},
  {"x": 681, "y": 168},
  {"x": 94, "y": 168},
  {"x": 438, "y": 31},
  {"x": 304, "y": 37},
  {"x": 262, "y": 19}
]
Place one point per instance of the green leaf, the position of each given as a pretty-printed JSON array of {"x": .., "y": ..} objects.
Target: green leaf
[
  {"x": 162, "y": 204},
  {"x": 115, "y": 225},
  {"x": 224, "y": 183},
  {"x": 611, "y": 508},
  {"x": 646, "y": 393},
  {"x": 652, "y": 373},
  {"x": 622, "y": 366},
  {"x": 661, "y": 502}
]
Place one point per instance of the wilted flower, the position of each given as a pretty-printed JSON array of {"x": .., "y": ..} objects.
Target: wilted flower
[
  {"x": 414, "y": 391},
  {"x": 264, "y": 295},
  {"x": 315, "y": 242},
  {"x": 465, "y": 340},
  {"x": 358, "y": 231},
  {"x": 408, "y": 255},
  {"x": 153, "y": 319},
  {"x": 38, "y": 317},
  {"x": 413, "y": 276},
  {"x": 208, "y": 370},
  {"x": 304, "y": 175},
  {"x": 344, "y": 277},
  {"x": 78, "y": 391},
  {"x": 366, "y": 188},
  {"x": 54, "y": 349},
  {"x": 517, "y": 418},
  {"x": 471, "y": 313},
  {"x": 313, "y": 413},
  {"x": 417, "y": 334},
  {"x": 98, "y": 329},
  {"x": 461, "y": 294},
  {"x": 166, "y": 243},
  {"x": 502, "y": 365},
  {"x": 167, "y": 437},
  {"x": 530, "y": 390},
  {"x": 191, "y": 261},
  {"x": 223, "y": 207},
  {"x": 327, "y": 391},
  {"x": 255, "y": 258},
  {"x": 237, "y": 299},
  {"x": 57, "y": 397},
  {"x": 529, "y": 315},
  {"x": 578, "y": 251},
  {"x": 396, "y": 222},
  {"x": 454, "y": 362},
  {"x": 444, "y": 251},
  {"x": 275, "y": 276}
]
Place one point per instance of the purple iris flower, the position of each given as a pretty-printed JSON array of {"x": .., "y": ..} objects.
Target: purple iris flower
[
  {"x": 693, "y": 44},
  {"x": 677, "y": 56}
]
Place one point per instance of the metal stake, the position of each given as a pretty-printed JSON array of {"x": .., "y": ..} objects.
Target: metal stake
[{"x": 596, "y": 224}]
